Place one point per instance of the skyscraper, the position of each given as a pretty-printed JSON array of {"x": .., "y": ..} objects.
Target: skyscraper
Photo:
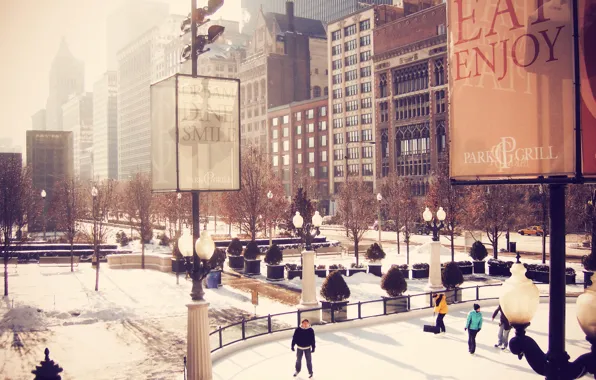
[
  {"x": 67, "y": 76},
  {"x": 105, "y": 126},
  {"x": 77, "y": 118}
]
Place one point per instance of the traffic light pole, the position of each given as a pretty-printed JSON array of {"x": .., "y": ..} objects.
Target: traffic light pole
[{"x": 196, "y": 222}]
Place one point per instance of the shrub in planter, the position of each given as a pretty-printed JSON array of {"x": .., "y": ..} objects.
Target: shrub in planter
[
  {"x": 452, "y": 278},
  {"x": 374, "y": 253},
  {"x": 164, "y": 240},
  {"x": 251, "y": 264},
  {"x": 403, "y": 268},
  {"x": 394, "y": 283},
  {"x": 336, "y": 292},
  {"x": 420, "y": 270},
  {"x": 499, "y": 268},
  {"x": 235, "y": 259},
  {"x": 356, "y": 269},
  {"x": 465, "y": 267},
  {"x": 589, "y": 262},
  {"x": 273, "y": 258},
  {"x": 338, "y": 268},
  {"x": 478, "y": 253},
  {"x": 570, "y": 276},
  {"x": 321, "y": 271},
  {"x": 216, "y": 262},
  {"x": 294, "y": 270}
]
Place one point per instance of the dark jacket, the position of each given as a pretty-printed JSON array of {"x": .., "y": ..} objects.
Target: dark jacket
[
  {"x": 304, "y": 338},
  {"x": 504, "y": 320}
]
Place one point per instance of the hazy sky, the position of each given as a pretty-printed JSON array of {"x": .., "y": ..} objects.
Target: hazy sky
[{"x": 30, "y": 33}]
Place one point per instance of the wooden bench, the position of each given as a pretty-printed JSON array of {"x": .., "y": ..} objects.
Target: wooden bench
[{"x": 59, "y": 261}]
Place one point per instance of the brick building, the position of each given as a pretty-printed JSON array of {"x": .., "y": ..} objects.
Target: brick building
[
  {"x": 410, "y": 65},
  {"x": 299, "y": 146}
]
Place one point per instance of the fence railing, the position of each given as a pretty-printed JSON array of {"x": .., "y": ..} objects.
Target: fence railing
[{"x": 272, "y": 323}]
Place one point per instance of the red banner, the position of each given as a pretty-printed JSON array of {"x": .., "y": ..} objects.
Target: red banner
[{"x": 587, "y": 34}]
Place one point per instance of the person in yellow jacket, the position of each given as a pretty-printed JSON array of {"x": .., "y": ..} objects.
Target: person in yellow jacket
[{"x": 441, "y": 309}]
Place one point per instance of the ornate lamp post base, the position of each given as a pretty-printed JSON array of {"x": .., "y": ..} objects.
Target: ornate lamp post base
[
  {"x": 309, "y": 288},
  {"x": 198, "y": 348},
  {"x": 434, "y": 279}
]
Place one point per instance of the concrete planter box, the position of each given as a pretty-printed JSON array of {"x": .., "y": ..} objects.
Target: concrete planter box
[
  {"x": 587, "y": 278},
  {"x": 570, "y": 279},
  {"x": 275, "y": 272},
  {"x": 236, "y": 262},
  {"x": 495, "y": 270},
  {"x": 395, "y": 305},
  {"x": 322, "y": 273},
  {"x": 294, "y": 273},
  {"x": 453, "y": 296},
  {"x": 178, "y": 265},
  {"x": 420, "y": 273},
  {"x": 375, "y": 269},
  {"x": 479, "y": 267},
  {"x": 340, "y": 311},
  {"x": 466, "y": 269},
  {"x": 344, "y": 272},
  {"x": 405, "y": 273},
  {"x": 252, "y": 266},
  {"x": 356, "y": 270}
]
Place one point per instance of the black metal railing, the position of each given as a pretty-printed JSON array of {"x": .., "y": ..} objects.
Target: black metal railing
[{"x": 272, "y": 323}]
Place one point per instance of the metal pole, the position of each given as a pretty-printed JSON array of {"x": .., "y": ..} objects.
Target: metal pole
[
  {"x": 196, "y": 222},
  {"x": 95, "y": 243},
  {"x": 379, "y": 224},
  {"x": 544, "y": 227},
  {"x": 556, "y": 356},
  {"x": 44, "y": 219}
]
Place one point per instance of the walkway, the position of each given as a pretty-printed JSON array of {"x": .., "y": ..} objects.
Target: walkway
[{"x": 401, "y": 350}]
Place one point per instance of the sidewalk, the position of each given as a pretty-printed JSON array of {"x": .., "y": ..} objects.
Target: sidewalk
[{"x": 402, "y": 350}]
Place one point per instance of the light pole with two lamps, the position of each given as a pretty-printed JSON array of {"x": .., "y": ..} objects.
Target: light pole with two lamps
[
  {"x": 435, "y": 224},
  {"x": 308, "y": 232},
  {"x": 198, "y": 267},
  {"x": 270, "y": 197},
  {"x": 379, "y": 199},
  {"x": 43, "y": 196}
]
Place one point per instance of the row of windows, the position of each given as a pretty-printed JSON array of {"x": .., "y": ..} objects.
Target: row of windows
[
  {"x": 353, "y": 136},
  {"x": 352, "y": 105},
  {"x": 353, "y": 169},
  {"x": 310, "y": 128},
  {"x": 310, "y": 114},
  {"x": 351, "y": 30},
  {"x": 299, "y": 159}
]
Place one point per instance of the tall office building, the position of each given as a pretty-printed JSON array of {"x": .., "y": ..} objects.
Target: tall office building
[
  {"x": 105, "y": 127},
  {"x": 129, "y": 22},
  {"x": 67, "y": 76},
  {"x": 38, "y": 120},
  {"x": 77, "y": 116}
]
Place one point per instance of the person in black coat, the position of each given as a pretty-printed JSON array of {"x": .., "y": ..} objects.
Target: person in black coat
[
  {"x": 504, "y": 329},
  {"x": 304, "y": 339}
]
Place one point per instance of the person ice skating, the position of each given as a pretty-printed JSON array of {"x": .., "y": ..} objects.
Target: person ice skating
[
  {"x": 504, "y": 329},
  {"x": 473, "y": 326},
  {"x": 304, "y": 339},
  {"x": 441, "y": 309}
]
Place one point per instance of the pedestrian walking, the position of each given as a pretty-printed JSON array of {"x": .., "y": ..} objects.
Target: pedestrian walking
[
  {"x": 473, "y": 326},
  {"x": 441, "y": 310},
  {"x": 504, "y": 329},
  {"x": 304, "y": 339}
]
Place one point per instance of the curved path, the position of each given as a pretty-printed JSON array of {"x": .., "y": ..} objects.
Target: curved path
[{"x": 401, "y": 350}]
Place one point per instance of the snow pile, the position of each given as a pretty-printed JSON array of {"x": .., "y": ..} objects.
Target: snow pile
[{"x": 23, "y": 318}]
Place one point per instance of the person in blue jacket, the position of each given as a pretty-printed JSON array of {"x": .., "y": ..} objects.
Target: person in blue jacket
[{"x": 473, "y": 326}]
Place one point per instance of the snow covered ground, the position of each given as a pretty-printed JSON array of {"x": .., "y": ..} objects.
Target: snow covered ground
[{"x": 401, "y": 350}]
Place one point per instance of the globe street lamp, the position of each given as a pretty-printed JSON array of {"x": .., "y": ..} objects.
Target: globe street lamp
[
  {"x": 434, "y": 278},
  {"x": 309, "y": 288},
  {"x": 198, "y": 266},
  {"x": 43, "y": 196},
  {"x": 270, "y": 197},
  {"x": 435, "y": 224},
  {"x": 379, "y": 199},
  {"x": 519, "y": 301}
]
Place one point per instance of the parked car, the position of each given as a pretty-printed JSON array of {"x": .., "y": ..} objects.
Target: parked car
[
  {"x": 417, "y": 229},
  {"x": 532, "y": 231}
]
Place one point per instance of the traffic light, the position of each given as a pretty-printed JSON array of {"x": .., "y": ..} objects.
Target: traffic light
[{"x": 199, "y": 19}]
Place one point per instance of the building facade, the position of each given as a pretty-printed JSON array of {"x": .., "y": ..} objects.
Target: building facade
[
  {"x": 67, "y": 77},
  {"x": 77, "y": 117},
  {"x": 299, "y": 147},
  {"x": 351, "y": 95},
  {"x": 278, "y": 69},
  {"x": 411, "y": 96},
  {"x": 105, "y": 127},
  {"x": 38, "y": 120}
]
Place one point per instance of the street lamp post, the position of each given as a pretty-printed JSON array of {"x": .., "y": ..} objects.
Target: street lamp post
[
  {"x": 270, "y": 197},
  {"x": 379, "y": 226},
  {"x": 43, "y": 196},
  {"x": 543, "y": 201},
  {"x": 94, "y": 193},
  {"x": 434, "y": 279},
  {"x": 307, "y": 234},
  {"x": 197, "y": 267}
]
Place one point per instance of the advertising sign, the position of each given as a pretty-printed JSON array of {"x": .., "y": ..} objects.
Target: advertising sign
[
  {"x": 511, "y": 89},
  {"x": 587, "y": 62},
  {"x": 195, "y": 134}
]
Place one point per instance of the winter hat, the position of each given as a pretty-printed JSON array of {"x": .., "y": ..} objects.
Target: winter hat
[{"x": 476, "y": 306}]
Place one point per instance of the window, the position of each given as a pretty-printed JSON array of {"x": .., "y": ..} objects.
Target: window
[
  {"x": 366, "y": 87},
  {"x": 441, "y": 29},
  {"x": 351, "y": 45},
  {"x": 299, "y": 144},
  {"x": 338, "y": 123},
  {"x": 275, "y": 147},
  {"x": 350, "y": 30},
  {"x": 365, "y": 71},
  {"x": 286, "y": 158},
  {"x": 337, "y": 79},
  {"x": 322, "y": 125},
  {"x": 323, "y": 111},
  {"x": 367, "y": 152},
  {"x": 316, "y": 92},
  {"x": 367, "y": 135},
  {"x": 336, "y": 35},
  {"x": 323, "y": 140},
  {"x": 440, "y": 101},
  {"x": 326, "y": 91},
  {"x": 310, "y": 113},
  {"x": 384, "y": 111},
  {"x": 410, "y": 79},
  {"x": 353, "y": 153},
  {"x": 286, "y": 119},
  {"x": 299, "y": 158},
  {"x": 412, "y": 106},
  {"x": 338, "y": 154},
  {"x": 351, "y": 75},
  {"x": 286, "y": 145},
  {"x": 311, "y": 172},
  {"x": 353, "y": 136},
  {"x": 275, "y": 160},
  {"x": 365, "y": 25},
  {"x": 352, "y": 90},
  {"x": 286, "y": 132},
  {"x": 365, "y": 56},
  {"x": 366, "y": 118},
  {"x": 298, "y": 116},
  {"x": 324, "y": 156},
  {"x": 351, "y": 121},
  {"x": 338, "y": 171},
  {"x": 336, "y": 64},
  {"x": 353, "y": 169},
  {"x": 439, "y": 72},
  {"x": 338, "y": 138},
  {"x": 352, "y": 106},
  {"x": 366, "y": 103},
  {"x": 337, "y": 93},
  {"x": 351, "y": 60},
  {"x": 274, "y": 133},
  {"x": 335, "y": 50},
  {"x": 337, "y": 108},
  {"x": 323, "y": 173},
  {"x": 311, "y": 142},
  {"x": 298, "y": 129},
  {"x": 275, "y": 121},
  {"x": 367, "y": 169},
  {"x": 311, "y": 157},
  {"x": 383, "y": 88},
  {"x": 365, "y": 40},
  {"x": 310, "y": 128}
]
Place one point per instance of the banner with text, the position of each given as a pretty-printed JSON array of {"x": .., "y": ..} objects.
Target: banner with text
[
  {"x": 587, "y": 34},
  {"x": 511, "y": 89},
  {"x": 196, "y": 142}
]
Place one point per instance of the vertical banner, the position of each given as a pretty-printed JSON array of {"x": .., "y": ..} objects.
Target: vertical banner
[
  {"x": 511, "y": 88},
  {"x": 587, "y": 62}
]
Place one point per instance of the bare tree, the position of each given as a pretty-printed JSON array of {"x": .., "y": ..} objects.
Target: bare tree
[
  {"x": 140, "y": 199},
  {"x": 410, "y": 212},
  {"x": 17, "y": 205},
  {"x": 392, "y": 190},
  {"x": 356, "y": 208},
  {"x": 69, "y": 208},
  {"x": 247, "y": 206}
]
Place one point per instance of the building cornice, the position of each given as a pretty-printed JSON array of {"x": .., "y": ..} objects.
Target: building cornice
[{"x": 439, "y": 41}]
